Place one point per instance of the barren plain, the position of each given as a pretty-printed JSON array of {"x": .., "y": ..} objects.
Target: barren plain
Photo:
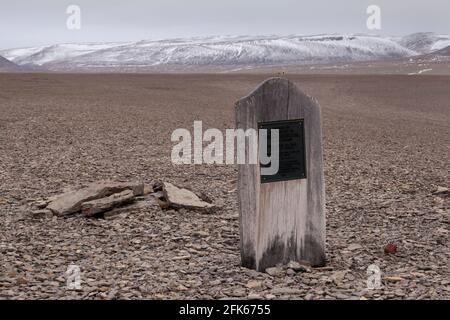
[{"x": 386, "y": 153}]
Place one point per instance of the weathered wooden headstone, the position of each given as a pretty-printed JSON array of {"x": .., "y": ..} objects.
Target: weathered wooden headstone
[{"x": 282, "y": 216}]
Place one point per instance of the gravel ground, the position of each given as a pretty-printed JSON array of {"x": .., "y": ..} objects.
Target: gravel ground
[{"x": 386, "y": 149}]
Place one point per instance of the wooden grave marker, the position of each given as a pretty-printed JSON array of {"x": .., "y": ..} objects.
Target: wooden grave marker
[{"x": 282, "y": 216}]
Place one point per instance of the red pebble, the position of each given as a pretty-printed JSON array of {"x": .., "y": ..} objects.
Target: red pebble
[{"x": 390, "y": 248}]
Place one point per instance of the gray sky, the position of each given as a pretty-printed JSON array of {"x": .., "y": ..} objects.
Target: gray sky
[{"x": 42, "y": 22}]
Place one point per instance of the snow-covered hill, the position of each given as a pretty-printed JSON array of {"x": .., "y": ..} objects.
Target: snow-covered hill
[
  {"x": 223, "y": 52},
  {"x": 8, "y": 66},
  {"x": 59, "y": 52},
  {"x": 443, "y": 52},
  {"x": 425, "y": 42}
]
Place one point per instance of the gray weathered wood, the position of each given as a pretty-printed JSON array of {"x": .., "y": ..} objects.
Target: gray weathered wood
[{"x": 282, "y": 221}]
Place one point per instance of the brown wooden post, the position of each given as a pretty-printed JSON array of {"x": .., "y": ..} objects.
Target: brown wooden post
[{"x": 282, "y": 217}]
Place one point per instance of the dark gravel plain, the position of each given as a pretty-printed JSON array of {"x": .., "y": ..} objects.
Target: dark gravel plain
[{"x": 386, "y": 150}]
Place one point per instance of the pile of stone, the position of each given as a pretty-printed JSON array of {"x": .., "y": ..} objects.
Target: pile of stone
[{"x": 105, "y": 199}]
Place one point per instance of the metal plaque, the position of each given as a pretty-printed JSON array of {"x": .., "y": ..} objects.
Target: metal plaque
[{"x": 292, "y": 154}]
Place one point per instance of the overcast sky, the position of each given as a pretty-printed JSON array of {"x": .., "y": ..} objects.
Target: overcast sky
[{"x": 43, "y": 22}]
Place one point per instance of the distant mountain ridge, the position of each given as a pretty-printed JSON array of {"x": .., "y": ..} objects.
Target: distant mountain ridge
[
  {"x": 425, "y": 42},
  {"x": 225, "y": 52},
  {"x": 8, "y": 66},
  {"x": 443, "y": 52}
]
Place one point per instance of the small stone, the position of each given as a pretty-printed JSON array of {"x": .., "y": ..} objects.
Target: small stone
[
  {"x": 254, "y": 296},
  {"x": 441, "y": 191},
  {"x": 43, "y": 213},
  {"x": 181, "y": 288},
  {"x": 418, "y": 274},
  {"x": 286, "y": 291},
  {"x": 341, "y": 296},
  {"x": 205, "y": 197},
  {"x": 324, "y": 269},
  {"x": 41, "y": 204},
  {"x": 252, "y": 284},
  {"x": 200, "y": 233},
  {"x": 147, "y": 190},
  {"x": 275, "y": 271},
  {"x": 390, "y": 248},
  {"x": 115, "y": 214},
  {"x": 441, "y": 231},
  {"x": 338, "y": 277},
  {"x": 393, "y": 279},
  {"x": 239, "y": 293},
  {"x": 399, "y": 293},
  {"x": 425, "y": 268},
  {"x": 290, "y": 272},
  {"x": 297, "y": 267},
  {"x": 112, "y": 294},
  {"x": 185, "y": 257},
  {"x": 215, "y": 283},
  {"x": 354, "y": 246},
  {"x": 8, "y": 293}
]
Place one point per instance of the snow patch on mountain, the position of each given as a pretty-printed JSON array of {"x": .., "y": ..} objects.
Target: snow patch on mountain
[
  {"x": 440, "y": 44},
  {"x": 42, "y": 55},
  {"x": 425, "y": 42}
]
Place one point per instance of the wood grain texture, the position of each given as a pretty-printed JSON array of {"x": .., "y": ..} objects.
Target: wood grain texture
[{"x": 282, "y": 221}]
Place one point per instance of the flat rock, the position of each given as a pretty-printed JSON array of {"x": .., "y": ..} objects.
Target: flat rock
[
  {"x": 147, "y": 189},
  {"x": 441, "y": 191},
  {"x": 354, "y": 246},
  {"x": 338, "y": 276},
  {"x": 238, "y": 293},
  {"x": 390, "y": 248},
  {"x": 253, "y": 284},
  {"x": 290, "y": 272},
  {"x": 170, "y": 196},
  {"x": 254, "y": 296},
  {"x": 70, "y": 202},
  {"x": 275, "y": 271},
  {"x": 94, "y": 207},
  {"x": 393, "y": 279},
  {"x": 298, "y": 267},
  {"x": 42, "y": 204},
  {"x": 286, "y": 291},
  {"x": 42, "y": 213}
]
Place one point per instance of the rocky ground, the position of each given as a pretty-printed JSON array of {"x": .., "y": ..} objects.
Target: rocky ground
[{"x": 386, "y": 149}]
